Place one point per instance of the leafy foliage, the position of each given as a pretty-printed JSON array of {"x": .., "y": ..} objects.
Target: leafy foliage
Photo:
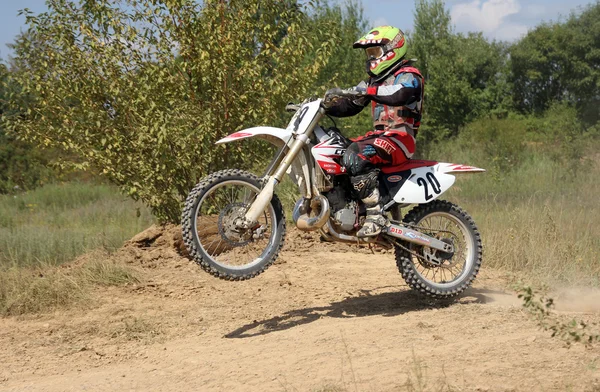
[
  {"x": 141, "y": 89},
  {"x": 464, "y": 77},
  {"x": 346, "y": 66},
  {"x": 560, "y": 62},
  {"x": 22, "y": 167}
]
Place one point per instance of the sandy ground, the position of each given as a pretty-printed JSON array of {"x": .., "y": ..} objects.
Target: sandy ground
[{"x": 325, "y": 318}]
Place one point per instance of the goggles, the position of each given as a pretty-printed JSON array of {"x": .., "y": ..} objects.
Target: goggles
[{"x": 374, "y": 52}]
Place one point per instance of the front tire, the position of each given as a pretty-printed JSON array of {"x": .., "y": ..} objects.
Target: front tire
[
  {"x": 213, "y": 241},
  {"x": 420, "y": 268}
]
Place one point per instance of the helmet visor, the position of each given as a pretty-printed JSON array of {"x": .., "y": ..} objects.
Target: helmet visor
[{"x": 374, "y": 52}]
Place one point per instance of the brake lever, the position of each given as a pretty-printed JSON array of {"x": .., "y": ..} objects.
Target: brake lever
[{"x": 292, "y": 107}]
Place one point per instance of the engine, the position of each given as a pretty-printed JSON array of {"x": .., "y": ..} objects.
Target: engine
[
  {"x": 346, "y": 218},
  {"x": 343, "y": 208}
]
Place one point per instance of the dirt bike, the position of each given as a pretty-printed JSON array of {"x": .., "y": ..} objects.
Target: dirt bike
[{"x": 234, "y": 226}]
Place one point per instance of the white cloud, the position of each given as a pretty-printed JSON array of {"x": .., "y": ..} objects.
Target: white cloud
[
  {"x": 489, "y": 17},
  {"x": 509, "y": 32}
]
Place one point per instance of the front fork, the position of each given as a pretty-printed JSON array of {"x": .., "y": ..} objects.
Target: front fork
[{"x": 266, "y": 194}]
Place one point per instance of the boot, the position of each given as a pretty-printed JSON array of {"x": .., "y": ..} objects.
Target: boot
[{"x": 375, "y": 221}]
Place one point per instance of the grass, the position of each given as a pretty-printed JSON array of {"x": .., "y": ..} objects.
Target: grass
[
  {"x": 539, "y": 218},
  {"x": 56, "y": 223},
  {"x": 46, "y": 288},
  {"x": 136, "y": 328},
  {"x": 537, "y": 209},
  {"x": 417, "y": 379},
  {"x": 536, "y": 206},
  {"x": 45, "y": 228}
]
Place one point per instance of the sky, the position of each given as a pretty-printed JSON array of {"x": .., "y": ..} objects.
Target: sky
[{"x": 506, "y": 20}]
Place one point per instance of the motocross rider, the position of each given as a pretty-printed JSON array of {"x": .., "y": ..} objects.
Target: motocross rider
[{"x": 395, "y": 90}]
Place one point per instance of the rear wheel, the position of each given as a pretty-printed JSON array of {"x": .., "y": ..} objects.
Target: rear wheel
[
  {"x": 433, "y": 272},
  {"x": 211, "y": 230}
]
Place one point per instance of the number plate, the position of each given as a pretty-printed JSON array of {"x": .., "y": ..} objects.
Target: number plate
[{"x": 424, "y": 185}]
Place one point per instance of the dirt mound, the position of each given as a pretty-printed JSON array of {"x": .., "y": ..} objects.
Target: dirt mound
[
  {"x": 166, "y": 243},
  {"x": 153, "y": 247}
]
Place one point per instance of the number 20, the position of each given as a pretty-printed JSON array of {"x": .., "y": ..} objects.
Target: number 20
[{"x": 435, "y": 185}]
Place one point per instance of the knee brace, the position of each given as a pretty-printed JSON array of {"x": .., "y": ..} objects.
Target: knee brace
[{"x": 365, "y": 184}]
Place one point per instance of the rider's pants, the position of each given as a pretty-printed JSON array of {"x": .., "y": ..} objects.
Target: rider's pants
[
  {"x": 379, "y": 148},
  {"x": 376, "y": 149}
]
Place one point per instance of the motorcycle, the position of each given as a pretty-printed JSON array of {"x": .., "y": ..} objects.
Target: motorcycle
[{"x": 234, "y": 226}]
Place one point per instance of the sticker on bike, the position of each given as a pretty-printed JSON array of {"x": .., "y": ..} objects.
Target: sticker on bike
[{"x": 430, "y": 180}]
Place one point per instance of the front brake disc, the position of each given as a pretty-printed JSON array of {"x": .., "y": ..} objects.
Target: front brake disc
[{"x": 231, "y": 234}]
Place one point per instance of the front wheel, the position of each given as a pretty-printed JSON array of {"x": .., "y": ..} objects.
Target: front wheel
[
  {"x": 432, "y": 272},
  {"x": 213, "y": 237}
]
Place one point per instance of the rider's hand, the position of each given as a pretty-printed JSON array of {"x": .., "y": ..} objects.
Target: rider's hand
[
  {"x": 332, "y": 95},
  {"x": 358, "y": 90}
]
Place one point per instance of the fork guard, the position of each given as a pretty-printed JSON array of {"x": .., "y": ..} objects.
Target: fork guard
[{"x": 416, "y": 237}]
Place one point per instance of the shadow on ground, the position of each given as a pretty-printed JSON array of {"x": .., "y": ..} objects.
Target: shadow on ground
[{"x": 388, "y": 304}]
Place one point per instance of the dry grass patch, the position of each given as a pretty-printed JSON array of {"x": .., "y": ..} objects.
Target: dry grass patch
[
  {"x": 418, "y": 379},
  {"x": 43, "y": 289},
  {"x": 136, "y": 329},
  {"x": 331, "y": 388}
]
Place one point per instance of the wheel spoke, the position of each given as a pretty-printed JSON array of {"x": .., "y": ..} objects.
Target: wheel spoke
[{"x": 222, "y": 242}]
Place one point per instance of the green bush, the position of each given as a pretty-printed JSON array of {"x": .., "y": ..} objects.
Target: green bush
[{"x": 147, "y": 87}]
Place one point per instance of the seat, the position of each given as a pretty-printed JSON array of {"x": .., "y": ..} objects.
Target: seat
[{"x": 408, "y": 165}]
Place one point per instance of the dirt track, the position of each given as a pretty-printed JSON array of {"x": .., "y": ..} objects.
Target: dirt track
[{"x": 324, "y": 320}]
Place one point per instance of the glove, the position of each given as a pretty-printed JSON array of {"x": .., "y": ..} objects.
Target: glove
[
  {"x": 332, "y": 96},
  {"x": 369, "y": 151}
]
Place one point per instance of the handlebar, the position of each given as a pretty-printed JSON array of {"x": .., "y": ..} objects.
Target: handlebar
[{"x": 292, "y": 107}]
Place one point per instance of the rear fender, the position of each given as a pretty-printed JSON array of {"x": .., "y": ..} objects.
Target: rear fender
[
  {"x": 425, "y": 184},
  {"x": 456, "y": 168},
  {"x": 299, "y": 171}
]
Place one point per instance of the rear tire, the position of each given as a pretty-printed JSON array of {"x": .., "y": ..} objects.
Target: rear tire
[
  {"x": 407, "y": 262},
  {"x": 207, "y": 255}
]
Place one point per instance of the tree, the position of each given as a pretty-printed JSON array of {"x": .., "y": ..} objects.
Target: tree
[
  {"x": 21, "y": 166},
  {"x": 560, "y": 62},
  {"x": 141, "y": 89},
  {"x": 432, "y": 34},
  {"x": 346, "y": 66},
  {"x": 463, "y": 73}
]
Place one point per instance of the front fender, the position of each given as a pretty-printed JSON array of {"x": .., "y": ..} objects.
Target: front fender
[
  {"x": 276, "y": 136},
  {"x": 299, "y": 171}
]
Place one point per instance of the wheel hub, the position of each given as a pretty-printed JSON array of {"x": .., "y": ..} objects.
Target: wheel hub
[
  {"x": 229, "y": 231},
  {"x": 232, "y": 232}
]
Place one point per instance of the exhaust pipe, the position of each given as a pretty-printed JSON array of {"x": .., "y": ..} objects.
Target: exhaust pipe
[
  {"x": 349, "y": 239},
  {"x": 301, "y": 213}
]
